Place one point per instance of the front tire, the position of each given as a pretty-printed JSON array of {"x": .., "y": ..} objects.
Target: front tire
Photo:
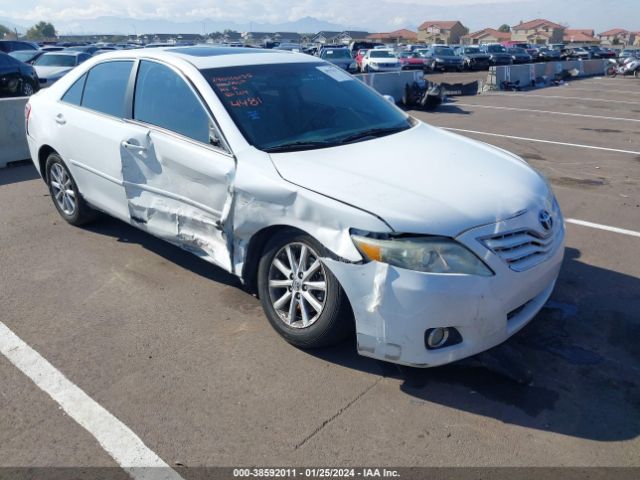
[
  {"x": 302, "y": 299},
  {"x": 27, "y": 89},
  {"x": 65, "y": 194}
]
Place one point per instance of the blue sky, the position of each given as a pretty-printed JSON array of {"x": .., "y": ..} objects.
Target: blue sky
[{"x": 374, "y": 15}]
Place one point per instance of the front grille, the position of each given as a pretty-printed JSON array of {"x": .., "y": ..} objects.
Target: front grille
[{"x": 522, "y": 249}]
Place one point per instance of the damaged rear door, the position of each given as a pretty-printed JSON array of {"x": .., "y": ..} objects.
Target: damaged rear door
[{"x": 176, "y": 168}]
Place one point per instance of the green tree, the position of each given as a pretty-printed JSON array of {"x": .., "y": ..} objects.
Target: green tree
[
  {"x": 4, "y": 32},
  {"x": 41, "y": 30},
  {"x": 504, "y": 28}
]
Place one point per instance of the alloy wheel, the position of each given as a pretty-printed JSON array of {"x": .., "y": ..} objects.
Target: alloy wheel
[
  {"x": 27, "y": 89},
  {"x": 297, "y": 285},
  {"x": 62, "y": 189}
]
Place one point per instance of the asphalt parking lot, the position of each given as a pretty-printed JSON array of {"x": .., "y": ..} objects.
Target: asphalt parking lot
[{"x": 176, "y": 351}]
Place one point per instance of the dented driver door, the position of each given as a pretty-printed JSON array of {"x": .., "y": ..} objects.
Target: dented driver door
[{"x": 176, "y": 170}]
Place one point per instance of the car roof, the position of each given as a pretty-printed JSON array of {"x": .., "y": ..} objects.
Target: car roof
[
  {"x": 72, "y": 53},
  {"x": 205, "y": 56}
]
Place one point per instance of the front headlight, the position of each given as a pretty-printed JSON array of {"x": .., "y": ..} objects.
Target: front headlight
[{"x": 423, "y": 254}]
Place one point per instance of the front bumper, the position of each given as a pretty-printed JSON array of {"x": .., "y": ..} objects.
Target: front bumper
[{"x": 394, "y": 307}]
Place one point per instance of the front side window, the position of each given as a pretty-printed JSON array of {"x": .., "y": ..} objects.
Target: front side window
[
  {"x": 298, "y": 106},
  {"x": 164, "y": 99},
  {"x": 106, "y": 88}
]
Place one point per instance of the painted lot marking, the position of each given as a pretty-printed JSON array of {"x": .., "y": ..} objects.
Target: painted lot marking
[
  {"x": 548, "y": 112},
  {"x": 536, "y": 140},
  {"x": 624, "y": 92},
  {"x": 603, "y": 227},
  {"x": 582, "y": 99},
  {"x": 124, "y": 446}
]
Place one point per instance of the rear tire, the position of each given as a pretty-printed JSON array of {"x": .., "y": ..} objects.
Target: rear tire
[
  {"x": 320, "y": 315},
  {"x": 65, "y": 194},
  {"x": 27, "y": 89}
]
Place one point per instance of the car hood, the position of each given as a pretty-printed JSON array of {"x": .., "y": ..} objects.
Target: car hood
[
  {"x": 50, "y": 72},
  {"x": 423, "y": 180},
  {"x": 384, "y": 60},
  {"x": 340, "y": 61},
  {"x": 448, "y": 58},
  {"x": 477, "y": 55}
]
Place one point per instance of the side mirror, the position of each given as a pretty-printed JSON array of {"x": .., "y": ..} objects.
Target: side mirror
[{"x": 390, "y": 99}]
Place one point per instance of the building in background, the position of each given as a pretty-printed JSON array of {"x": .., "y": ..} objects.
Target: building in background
[
  {"x": 397, "y": 36},
  {"x": 486, "y": 35},
  {"x": 617, "y": 36},
  {"x": 539, "y": 31},
  {"x": 582, "y": 36},
  {"x": 449, "y": 32}
]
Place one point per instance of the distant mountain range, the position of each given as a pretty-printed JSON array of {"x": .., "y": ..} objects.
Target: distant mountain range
[
  {"x": 129, "y": 26},
  {"x": 597, "y": 14}
]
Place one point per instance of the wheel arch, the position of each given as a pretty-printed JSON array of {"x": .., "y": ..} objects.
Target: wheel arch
[
  {"x": 43, "y": 154},
  {"x": 254, "y": 252}
]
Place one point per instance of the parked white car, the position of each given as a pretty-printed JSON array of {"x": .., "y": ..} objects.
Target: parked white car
[
  {"x": 380, "y": 60},
  {"x": 340, "y": 210},
  {"x": 52, "y": 66}
]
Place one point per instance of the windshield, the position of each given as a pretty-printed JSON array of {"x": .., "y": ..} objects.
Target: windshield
[
  {"x": 56, "y": 61},
  {"x": 381, "y": 54},
  {"x": 496, "y": 49},
  {"x": 471, "y": 50},
  {"x": 298, "y": 106},
  {"x": 517, "y": 50},
  {"x": 23, "y": 55},
  {"x": 337, "y": 53},
  {"x": 442, "y": 51}
]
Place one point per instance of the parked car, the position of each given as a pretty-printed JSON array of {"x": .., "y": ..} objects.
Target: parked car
[
  {"x": 304, "y": 183},
  {"x": 519, "y": 55},
  {"x": 411, "y": 60},
  {"x": 27, "y": 56},
  {"x": 16, "y": 78},
  {"x": 340, "y": 57},
  {"x": 628, "y": 53},
  {"x": 7, "y": 46},
  {"x": 51, "y": 66},
  {"x": 356, "y": 46},
  {"x": 546, "y": 54},
  {"x": 290, "y": 47},
  {"x": 442, "y": 58},
  {"x": 498, "y": 54},
  {"x": 89, "y": 49},
  {"x": 380, "y": 60},
  {"x": 473, "y": 58},
  {"x": 575, "y": 53},
  {"x": 599, "y": 52}
]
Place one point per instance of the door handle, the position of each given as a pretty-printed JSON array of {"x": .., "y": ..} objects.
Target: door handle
[
  {"x": 133, "y": 146},
  {"x": 60, "y": 119}
]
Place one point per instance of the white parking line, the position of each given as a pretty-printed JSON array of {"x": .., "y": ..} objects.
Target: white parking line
[
  {"x": 124, "y": 446},
  {"x": 603, "y": 227},
  {"x": 604, "y": 90},
  {"x": 536, "y": 140},
  {"x": 582, "y": 99},
  {"x": 548, "y": 112}
]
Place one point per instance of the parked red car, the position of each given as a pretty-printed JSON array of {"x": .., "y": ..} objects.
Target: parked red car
[{"x": 410, "y": 60}]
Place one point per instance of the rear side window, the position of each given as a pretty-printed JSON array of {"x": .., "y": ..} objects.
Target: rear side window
[
  {"x": 106, "y": 87},
  {"x": 74, "y": 94},
  {"x": 164, "y": 99}
]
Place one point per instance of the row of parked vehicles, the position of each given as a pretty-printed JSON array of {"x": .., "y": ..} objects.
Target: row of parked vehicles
[{"x": 378, "y": 57}]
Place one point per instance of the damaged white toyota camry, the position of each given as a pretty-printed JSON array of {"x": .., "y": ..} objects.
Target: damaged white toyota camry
[{"x": 339, "y": 209}]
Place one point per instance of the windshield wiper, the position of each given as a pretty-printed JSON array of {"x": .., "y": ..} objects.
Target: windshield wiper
[
  {"x": 295, "y": 146},
  {"x": 372, "y": 132}
]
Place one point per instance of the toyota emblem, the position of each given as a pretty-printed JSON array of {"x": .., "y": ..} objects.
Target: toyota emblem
[{"x": 546, "y": 220}]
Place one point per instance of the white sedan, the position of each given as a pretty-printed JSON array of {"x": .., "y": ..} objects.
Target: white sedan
[
  {"x": 52, "y": 66},
  {"x": 341, "y": 211},
  {"x": 380, "y": 60}
]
